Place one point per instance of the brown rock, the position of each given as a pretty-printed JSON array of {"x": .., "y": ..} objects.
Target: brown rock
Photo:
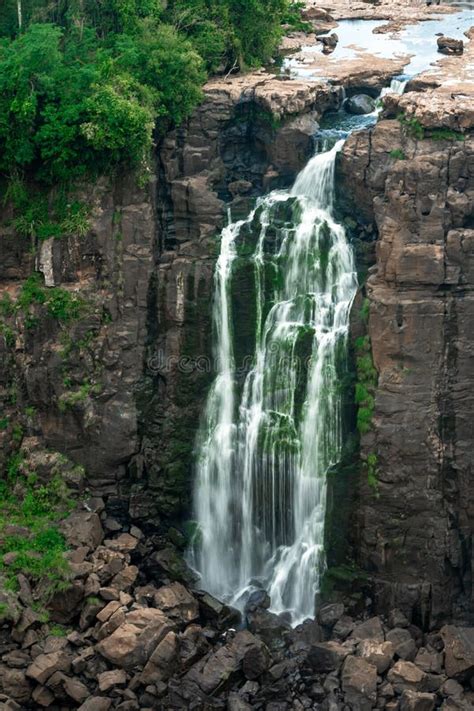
[
  {"x": 83, "y": 528},
  {"x": 124, "y": 580},
  {"x": 404, "y": 645},
  {"x": 192, "y": 646},
  {"x": 123, "y": 544},
  {"x": 163, "y": 661},
  {"x": 459, "y": 651},
  {"x": 327, "y": 656},
  {"x": 75, "y": 689},
  {"x": 216, "y": 670},
  {"x": 359, "y": 683},
  {"x": 405, "y": 676},
  {"x": 108, "y": 680},
  {"x": 448, "y": 45},
  {"x": 43, "y": 696},
  {"x": 380, "y": 654},
  {"x": 177, "y": 603},
  {"x": 370, "y": 629},
  {"x": 45, "y": 665},
  {"x": 417, "y": 701},
  {"x": 14, "y": 683},
  {"x": 133, "y": 642},
  {"x": 108, "y": 611},
  {"x": 96, "y": 703},
  {"x": 64, "y": 605}
]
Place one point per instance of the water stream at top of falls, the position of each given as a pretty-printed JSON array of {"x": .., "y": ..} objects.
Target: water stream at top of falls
[{"x": 272, "y": 426}]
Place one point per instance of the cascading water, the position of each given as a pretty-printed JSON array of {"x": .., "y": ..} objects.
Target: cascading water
[{"x": 270, "y": 435}]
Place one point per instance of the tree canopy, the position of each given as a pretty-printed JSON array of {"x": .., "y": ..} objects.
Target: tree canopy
[{"x": 85, "y": 85}]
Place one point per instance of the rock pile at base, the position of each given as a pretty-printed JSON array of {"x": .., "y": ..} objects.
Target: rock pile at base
[{"x": 130, "y": 632}]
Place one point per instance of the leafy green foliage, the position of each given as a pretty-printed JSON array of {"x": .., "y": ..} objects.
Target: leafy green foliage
[
  {"x": 397, "y": 154},
  {"x": 84, "y": 86}
]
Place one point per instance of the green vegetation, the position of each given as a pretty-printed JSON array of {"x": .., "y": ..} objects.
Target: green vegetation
[
  {"x": 63, "y": 305},
  {"x": 30, "y": 542},
  {"x": 365, "y": 385},
  {"x": 412, "y": 126},
  {"x": 446, "y": 134},
  {"x": 77, "y": 398},
  {"x": 364, "y": 312},
  {"x": 416, "y": 130},
  {"x": 397, "y": 154},
  {"x": 372, "y": 471},
  {"x": 86, "y": 87}
]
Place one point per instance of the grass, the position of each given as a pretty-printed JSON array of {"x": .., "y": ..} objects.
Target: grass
[{"x": 36, "y": 507}]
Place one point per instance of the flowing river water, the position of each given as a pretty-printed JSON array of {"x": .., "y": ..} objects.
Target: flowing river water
[{"x": 272, "y": 430}]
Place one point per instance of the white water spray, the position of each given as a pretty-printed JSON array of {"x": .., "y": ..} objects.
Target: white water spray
[{"x": 267, "y": 444}]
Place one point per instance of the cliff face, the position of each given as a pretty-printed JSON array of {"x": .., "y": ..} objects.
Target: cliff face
[
  {"x": 414, "y": 531},
  {"x": 121, "y": 388},
  {"x": 72, "y": 383}
]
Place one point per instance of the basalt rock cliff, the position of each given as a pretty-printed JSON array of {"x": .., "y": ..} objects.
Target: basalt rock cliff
[{"x": 120, "y": 390}]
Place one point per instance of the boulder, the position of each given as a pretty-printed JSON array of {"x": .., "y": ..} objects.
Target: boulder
[
  {"x": 448, "y": 45},
  {"x": 45, "y": 665},
  {"x": 133, "y": 642},
  {"x": 256, "y": 660},
  {"x": 329, "y": 614},
  {"x": 326, "y": 657},
  {"x": 271, "y": 628},
  {"x": 215, "y": 671},
  {"x": 14, "y": 683},
  {"x": 359, "y": 683},
  {"x": 110, "y": 679},
  {"x": 380, "y": 654},
  {"x": 162, "y": 662},
  {"x": 42, "y": 697},
  {"x": 193, "y": 645},
  {"x": 177, "y": 603},
  {"x": 213, "y": 611},
  {"x": 459, "y": 651},
  {"x": 403, "y": 643},
  {"x": 359, "y": 104},
  {"x": 257, "y": 599},
  {"x": 370, "y": 629},
  {"x": 75, "y": 689},
  {"x": 417, "y": 701},
  {"x": 83, "y": 528},
  {"x": 397, "y": 618},
  {"x": 329, "y": 42},
  {"x": 429, "y": 661},
  {"x": 343, "y": 628},
  {"x": 406, "y": 676}
]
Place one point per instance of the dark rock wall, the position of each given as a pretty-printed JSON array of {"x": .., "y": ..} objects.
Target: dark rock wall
[
  {"x": 414, "y": 533},
  {"x": 109, "y": 268},
  {"x": 121, "y": 390}
]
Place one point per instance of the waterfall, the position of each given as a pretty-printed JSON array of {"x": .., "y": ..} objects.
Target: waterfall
[{"x": 271, "y": 431}]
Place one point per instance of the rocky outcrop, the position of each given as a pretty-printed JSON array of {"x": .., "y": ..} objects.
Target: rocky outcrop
[
  {"x": 412, "y": 177},
  {"x": 149, "y": 641}
]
